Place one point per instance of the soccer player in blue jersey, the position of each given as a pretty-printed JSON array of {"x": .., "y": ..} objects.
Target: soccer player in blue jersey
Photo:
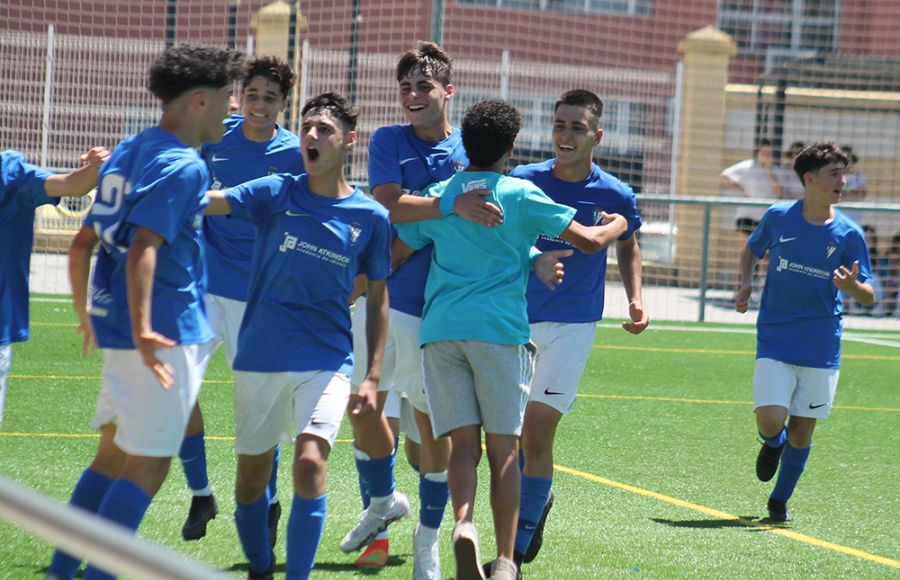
[
  {"x": 563, "y": 321},
  {"x": 146, "y": 305},
  {"x": 254, "y": 145},
  {"x": 815, "y": 253},
  {"x": 477, "y": 358},
  {"x": 23, "y": 188},
  {"x": 403, "y": 161},
  {"x": 316, "y": 233}
]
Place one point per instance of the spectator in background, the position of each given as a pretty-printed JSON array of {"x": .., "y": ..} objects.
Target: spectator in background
[
  {"x": 754, "y": 178},
  {"x": 892, "y": 278},
  {"x": 791, "y": 186}
]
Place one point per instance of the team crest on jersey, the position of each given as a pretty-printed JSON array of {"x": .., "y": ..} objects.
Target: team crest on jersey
[
  {"x": 598, "y": 211},
  {"x": 216, "y": 184},
  {"x": 272, "y": 170},
  {"x": 458, "y": 166},
  {"x": 830, "y": 247},
  {"x": 355, "y": 230}
]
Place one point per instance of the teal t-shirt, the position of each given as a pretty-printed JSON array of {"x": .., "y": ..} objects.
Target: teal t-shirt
[{"x": 476, "y": 284}]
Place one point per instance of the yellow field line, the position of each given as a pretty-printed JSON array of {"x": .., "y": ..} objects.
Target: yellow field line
[
  {"x": 803, "y": 538},
  {"x": 583, "y": 395},
  {"x": 734, "y": 352},
  {"x": 717, "y": 401}
]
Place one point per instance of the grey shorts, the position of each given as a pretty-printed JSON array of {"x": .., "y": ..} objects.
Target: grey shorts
[{"x": 470, "y": 382}]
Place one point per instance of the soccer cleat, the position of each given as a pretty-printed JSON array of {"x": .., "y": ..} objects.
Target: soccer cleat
[
  {"x": 465, "y": 549},
  {"x": 374, "y": 556},
  {"x": 767, "y": 461},
  {"x": 537, "y": 540},
  {"x": 266, "y": 575},
  {"x": 374, "y": 520},
  {"x": 505, "y": 569},
  {"x": 203, "y": 509},
  {"x": 778, "y": 511},
  {"x": 274, "y": 516},
  {"x": 426, "y": 554}
]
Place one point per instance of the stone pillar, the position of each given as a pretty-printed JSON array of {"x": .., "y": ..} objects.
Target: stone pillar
[{"x": 706, "y": 54}]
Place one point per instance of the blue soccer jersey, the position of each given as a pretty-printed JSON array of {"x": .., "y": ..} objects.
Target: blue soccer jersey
[
  {"x": 580, "y": 297},
  {"x": 800, "y": 313},
  {"x": 154, "y": 181},
  {"x": 476, "y": 286},
  {"x": 232, "y": 161},
  {"x": 309, "y": 250},
  {"x": 396, "y": 155},
  {"x": 21, "y": 191}
]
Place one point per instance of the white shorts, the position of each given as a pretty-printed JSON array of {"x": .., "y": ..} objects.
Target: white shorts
[
  {"x": 398, "y": 407},
  {"x": 150, "y": 421},
  {"x": 401, "y": 369},
  {"x": 5, "y": 363},
  {"x": 275, "y": 407},
  {"x": 225, "y": 317},
  {"x": 563, "y": 349},
  {"x": 804, "y": 391}
]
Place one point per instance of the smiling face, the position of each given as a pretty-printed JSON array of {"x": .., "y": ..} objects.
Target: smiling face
[
  {"x": 574, "y": 135},
  {"x": 424, "y": 100},
  {"x": 825, "y": 183},
  {"x": 324, "y": 142},
  {"x": 261, "y": 102}
]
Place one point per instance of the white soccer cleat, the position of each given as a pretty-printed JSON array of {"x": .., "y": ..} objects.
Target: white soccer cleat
[
  {"x": 373, "y": 521},
  {"x": 426, "y": 554}
]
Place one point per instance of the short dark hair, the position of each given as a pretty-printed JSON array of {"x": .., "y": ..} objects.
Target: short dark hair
[
  {"x": 428, "y": 58},
  {"x": 816, "y": 156},
  {"x": 273, "y": 69},
  {"x": 582, "y": 98},
  {"x": 337, "y": 105},
  {"x": 489, "y": 129},
  {"x": 188, "y": 66}
]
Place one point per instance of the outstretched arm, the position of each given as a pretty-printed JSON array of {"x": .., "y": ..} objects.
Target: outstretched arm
[
  {"x": 592, "y": 239},
  {"x": 81, "y": 180},
  {"x": 413, "y": 208},
  {"x": 80, "y": 251},
  {"x": 628, "y": 254},
  {"x": 217, "y": 205},
  {"x": 140, "y": 269}
]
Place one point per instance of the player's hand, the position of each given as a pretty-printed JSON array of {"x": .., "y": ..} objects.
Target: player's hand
[
  {"x": 845, "y": 279},
  {"x": 365, "y": 401},
  {"x": 147, "y": 345},
  {"x": 95, "y": 157},
  {"x": 639, "y": 318},
  {"x": 472, "y": 207},
  {"x": 549, "y": 269},
  {"x": 742, "y": 298},
  {"x": 88, "y": 345}
]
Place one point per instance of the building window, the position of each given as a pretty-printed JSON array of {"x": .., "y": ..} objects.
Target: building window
[
  {"x": 781, "y": 27},
  {"x": 633, "y": 7}
]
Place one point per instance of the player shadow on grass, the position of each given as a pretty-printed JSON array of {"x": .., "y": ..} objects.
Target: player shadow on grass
[
  {"x": 392, "y": 561},
  {"x": 752, "y": 523}
]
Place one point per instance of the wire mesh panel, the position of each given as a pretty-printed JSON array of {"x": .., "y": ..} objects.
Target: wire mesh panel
[{"x": 690, "y": 89}]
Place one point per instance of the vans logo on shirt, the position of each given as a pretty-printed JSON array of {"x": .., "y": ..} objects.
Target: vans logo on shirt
[
  {"x": 830, "y": 248},
  {"x": 474, "y": 184}
]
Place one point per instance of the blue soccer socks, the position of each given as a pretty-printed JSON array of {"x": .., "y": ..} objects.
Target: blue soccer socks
[
  {"x": 88, "y": 495},
  {"x": 193, "y": 460},
  {"x": 377, "y": 475},
  {"x": 433, "y": 495},
  {"x": 776, "y": 440},
  {"x": 534, "y": 493},
  {"x": 253, "y": 530},
  {"x": 125, "y": 503},
  {"x": 793, "y": 462},
  {"x": 304, "y": 534}
]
